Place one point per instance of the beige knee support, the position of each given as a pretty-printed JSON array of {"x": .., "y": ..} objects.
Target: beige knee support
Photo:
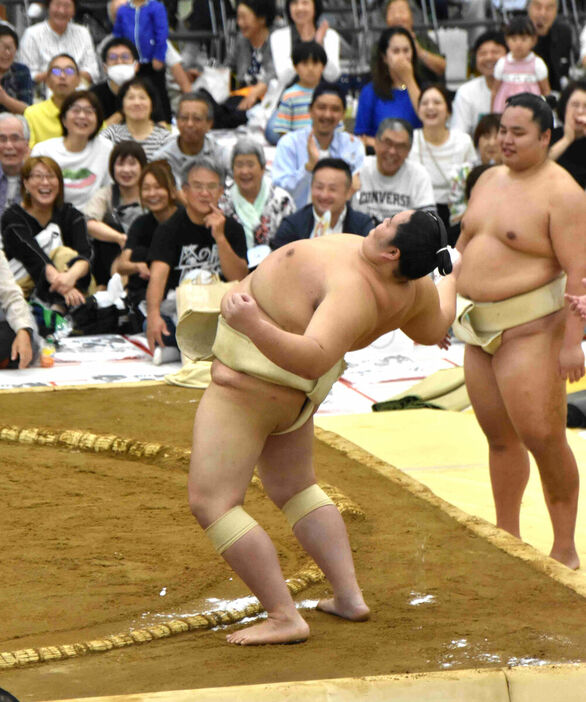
[
  {"x": 230, "y": 527},
  {"x": 305, "y": 502}
]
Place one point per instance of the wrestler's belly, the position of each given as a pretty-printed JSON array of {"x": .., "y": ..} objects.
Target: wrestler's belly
[{"x": 489, "y": 274}]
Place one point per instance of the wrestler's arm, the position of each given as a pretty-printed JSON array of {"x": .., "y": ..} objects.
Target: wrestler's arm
[
  {"x": 568, "y": 238},
  {"x": 337, "y": 323},
  {"x": 434, "y": 311}
]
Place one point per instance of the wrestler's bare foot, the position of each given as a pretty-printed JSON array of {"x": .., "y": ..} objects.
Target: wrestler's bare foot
[
  {"x": 272, "y": 631},
  {"x": 355, "y": 610},
  {"x": 567, "y": 557}
]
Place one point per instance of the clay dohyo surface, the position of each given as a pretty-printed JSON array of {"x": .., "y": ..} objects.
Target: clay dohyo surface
[{"x": 93, "y": 545}]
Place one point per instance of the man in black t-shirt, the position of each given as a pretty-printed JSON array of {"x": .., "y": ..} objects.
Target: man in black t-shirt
[
  {"x": 555, "y": 40},
  {"x": 197, "y": 238},
  {"x": 120, "y": 59}
]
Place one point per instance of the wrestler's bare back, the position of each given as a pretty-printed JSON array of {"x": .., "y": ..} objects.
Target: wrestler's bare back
[
  {"x": 506, "y": 232},
  {"x": 290, "y": 284}
]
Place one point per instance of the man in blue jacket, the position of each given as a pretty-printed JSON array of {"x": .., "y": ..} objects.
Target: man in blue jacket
[
  {"x": 329, "y": 211},
  {"x": 298, "y": 152}
]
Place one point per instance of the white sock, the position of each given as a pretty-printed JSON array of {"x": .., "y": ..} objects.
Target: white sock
[{"x": 166, "y": 354}]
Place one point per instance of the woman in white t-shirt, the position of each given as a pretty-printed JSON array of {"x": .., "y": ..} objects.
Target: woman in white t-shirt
[
  {"x": 303, "y": 16},
  {"x": 81, "y": 153},
  {"x": 438, "y": 147}
]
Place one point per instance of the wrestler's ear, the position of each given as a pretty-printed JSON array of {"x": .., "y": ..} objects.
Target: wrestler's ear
[{"x": 391, "y": 254}]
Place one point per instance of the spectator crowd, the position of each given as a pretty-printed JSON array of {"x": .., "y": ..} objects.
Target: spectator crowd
[{"x": 112, "y": 167}]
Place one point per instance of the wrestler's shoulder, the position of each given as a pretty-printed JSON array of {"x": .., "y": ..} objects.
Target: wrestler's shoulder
[
  {"x": 560, "y": 180},
  {"x": 491, "y": 175}
]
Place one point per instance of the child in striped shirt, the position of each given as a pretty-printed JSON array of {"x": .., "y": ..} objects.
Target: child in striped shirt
[{"x": 309, "y": 59}]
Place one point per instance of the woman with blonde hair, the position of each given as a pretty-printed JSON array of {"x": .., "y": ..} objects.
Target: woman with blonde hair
[{"x": 45, "y": 239}]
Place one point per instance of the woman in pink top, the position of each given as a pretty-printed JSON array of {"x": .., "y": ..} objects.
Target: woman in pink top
[{"x": 521, "y": 70}]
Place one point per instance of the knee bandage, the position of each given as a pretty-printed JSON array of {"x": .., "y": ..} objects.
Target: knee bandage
[
  {"x": 230, "y": 527},
  {"x": 305, "y": 502}
]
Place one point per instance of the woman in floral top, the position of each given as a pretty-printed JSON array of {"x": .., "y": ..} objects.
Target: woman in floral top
[
  {"x": 253, "y": 200},
  {"x": 487, "y": 148}
]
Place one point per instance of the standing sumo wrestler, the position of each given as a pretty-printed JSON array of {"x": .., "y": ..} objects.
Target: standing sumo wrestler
[{"x": 281, "y": 340}]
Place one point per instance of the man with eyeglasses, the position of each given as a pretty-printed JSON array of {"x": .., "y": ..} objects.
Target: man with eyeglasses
[
  {"x": 120, "y": 60},
  {"x": 195, "y": 118},
  {"x": 177, "y": 78},
  {"x": 14, "y": 136},
  {"x": 43, "y": 117},
  {"x": 389, "y": 182},
  {"x": 198, "y": 237}
]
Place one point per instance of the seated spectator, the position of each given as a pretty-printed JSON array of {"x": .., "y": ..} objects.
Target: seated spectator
[
  {"x": 120, "y": 61},
  {"x": 82, "y": 154},
  {"x": 298, "y": 152},
  {"x": 58, "y": 35},
  {"x": 45, "y": 239},
  {"x": 568, "y": 143},
  {"x": 394, "y": 90},
  {"x": 473, "y": 98},
  {"x": 138, "y": 103},
  {"x": 43, "y": 117},
  {"x": 16, "y": 323},
  {"x": 14, "y": 136},
  {"x": 159, "y": 197},
  {"x": 197, "y": 238},
  {"x": 430, "y": 65},
  {"x": 329, "y": 211},
  {"x": 145, "y": 23},
  {"x": 389, "y": 183},
  {"x": 556, "y": 43},
  {"x": 253, "y": 200},
  {"x": 438, "y": 148},
  {"x": 113, "y": 208},
  {"x": 292, "y": 113},
  {"x": 16, "y": 84},
  {"x": 520, "y": 70},
  {"x": 488, "y": 153},
  {"x": 303, "y": 16},
  {"x": 195, "y": 116},
  {"x": 251, "y": 61},
  {"x": 175, "y": 75}
]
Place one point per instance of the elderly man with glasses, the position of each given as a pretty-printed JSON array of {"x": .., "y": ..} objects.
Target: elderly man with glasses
[
  {"x": 195, "y": 118},
  {"x": 14, "y": 136},
  {"x": 389, "y": 182},
  {"x": 199, "y": 237}
]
